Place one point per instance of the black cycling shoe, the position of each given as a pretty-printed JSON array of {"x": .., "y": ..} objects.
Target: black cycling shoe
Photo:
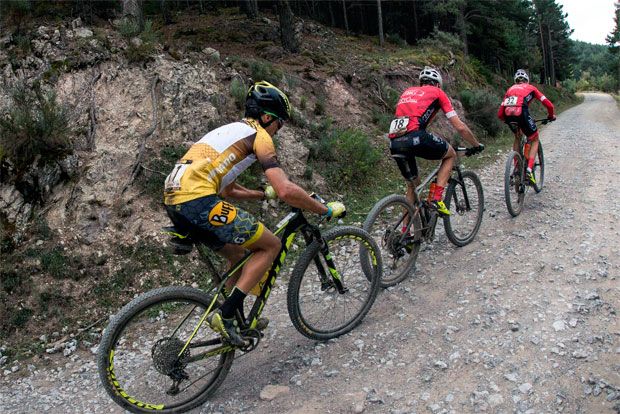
[{"x": 228, "y": 328}]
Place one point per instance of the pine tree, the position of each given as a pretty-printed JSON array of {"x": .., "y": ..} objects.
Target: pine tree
[{"x": 613, "y": 39}]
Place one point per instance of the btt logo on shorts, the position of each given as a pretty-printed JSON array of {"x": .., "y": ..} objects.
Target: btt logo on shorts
[{"x": 222, "y": 213}]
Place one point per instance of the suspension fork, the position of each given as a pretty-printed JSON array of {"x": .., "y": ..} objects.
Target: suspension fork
[
  {"x": 460, "y": 180},
  {"x": 310, "y": 234}
]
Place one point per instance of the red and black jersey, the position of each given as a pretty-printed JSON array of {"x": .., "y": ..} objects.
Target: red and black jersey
[
  {"x": 518, "y": 97},
  {"x": 420, "y": 104}
]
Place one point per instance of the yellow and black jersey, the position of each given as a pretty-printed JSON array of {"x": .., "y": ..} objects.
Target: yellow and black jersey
[{"x": 217, "y": 159}]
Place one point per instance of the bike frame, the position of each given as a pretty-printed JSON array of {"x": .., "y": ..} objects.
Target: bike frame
[
  {"x": 288, "y": 228},
  {"x": 429, "y": 221},
  {"x": 514, "y": 126}
]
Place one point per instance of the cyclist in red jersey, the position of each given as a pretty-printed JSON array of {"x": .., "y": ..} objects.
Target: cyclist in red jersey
[
  {"x": 415, "y": 110},
  {"x": 514, "y": 108}
]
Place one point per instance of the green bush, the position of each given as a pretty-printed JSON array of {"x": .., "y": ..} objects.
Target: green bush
[
  {"x": 381, "y": 120},
  {"x": 35, "y": 125},
  {"x": 265, "y": 71},
  {"x": 142, "y": 52},
  {"x": 347, "y": 156},
  {"x": 238, "y": 92},
  {"x": 395, "y": 39},
  {"x": 320, "y": 105},
  {"x": 443, "y": 42},
  {"x": 128, "y": 28},
  {"x": 481, "y": 107}
]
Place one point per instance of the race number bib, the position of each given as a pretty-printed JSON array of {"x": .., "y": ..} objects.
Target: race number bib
[
  {"x": 399, "y": 125},
  {"x": 173, "y": 181},
  {"x": 511, "y": 100}
]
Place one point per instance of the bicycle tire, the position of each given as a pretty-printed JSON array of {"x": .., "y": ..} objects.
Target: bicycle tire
[
  {"x": 463, "y": 223},
  {"x": 130, "y": 362},
  {"x": 312, "y": 305},
  {"x": 513, "y": 187},
  {"x": 539, "y": 169},
  {"x": 382, "y": 224}
]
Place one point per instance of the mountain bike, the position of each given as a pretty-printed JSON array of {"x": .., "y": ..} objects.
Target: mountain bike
[
  {"x": 158, "y": 353},
  {"x": 400, "y": 227},
  {"x": 515, "y": 177}
]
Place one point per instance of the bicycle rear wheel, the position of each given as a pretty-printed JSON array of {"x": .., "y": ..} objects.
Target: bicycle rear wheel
[
  {"x": 318, "y": 309},
  {"x": 539, "y": 169},
  {"x": 400, "y": 252},
  {"x": 142, "y": 359},
  {"x": 514, "y": 187},
  {"x": 465, "y": 200}
]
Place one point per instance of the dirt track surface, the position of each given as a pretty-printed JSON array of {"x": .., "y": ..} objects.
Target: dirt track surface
[{"x": 522, "y": 320}]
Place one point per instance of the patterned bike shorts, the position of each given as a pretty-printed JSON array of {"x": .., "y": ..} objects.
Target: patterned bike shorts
[{"x": 216, "y": 222}]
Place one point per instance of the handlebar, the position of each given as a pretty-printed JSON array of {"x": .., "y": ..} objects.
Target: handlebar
[
  {"x": 469, "y": 151},
  {"x": 545, "y": 121}
]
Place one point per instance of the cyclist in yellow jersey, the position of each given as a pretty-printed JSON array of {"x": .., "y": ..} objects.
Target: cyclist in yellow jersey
[{"x": 209, "y": 170}]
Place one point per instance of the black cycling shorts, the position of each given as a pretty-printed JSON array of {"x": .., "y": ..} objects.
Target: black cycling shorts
[
  {"x": 417, "y": 144},
  {"x": 525, "y": 122},
  {"x": 215, "y": 222}
]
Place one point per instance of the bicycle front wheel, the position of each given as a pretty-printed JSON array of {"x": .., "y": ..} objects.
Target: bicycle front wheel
[
  {"x": 156, "y": 355},
  {"x": 465, "y": 200},
  {"x": 514, "y": 187},
  {"x": 326, "y": 301},
  {"x": 539, "y": 169},
  {"x": 385, "y": 224}
]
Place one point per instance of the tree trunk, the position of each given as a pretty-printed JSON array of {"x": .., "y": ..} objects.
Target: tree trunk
[
  {"x": 163, "y": 5},
  {"x": 288, "y": 36},
  {"x": 346, "y": 20},
  {"x": 331, "y": 13},
  {"x": 550, "y": 57},
  {"x": 380, "y": 23},
  {"x": 250, "y": 8},
  {"x": 543, "y": 48},
  {"x": 462, "y": 27},
  {"x": 415, "y": 22},
  {"x": 133, "y": 9}
]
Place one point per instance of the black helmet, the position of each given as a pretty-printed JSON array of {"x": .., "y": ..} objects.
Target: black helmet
[{"x": 264, "y": 97}]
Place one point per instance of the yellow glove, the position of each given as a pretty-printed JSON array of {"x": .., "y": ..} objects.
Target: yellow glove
[
  {"x": 336, "y": 209},
  {"x": 270, "y": 193}
]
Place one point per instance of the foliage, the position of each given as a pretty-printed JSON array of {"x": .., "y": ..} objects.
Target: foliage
[
  {"x": 395, "y": 39},
  {"x": 320, "y": 105},
  {"x": 443, "y": 42},
  {"x": 481, "y": 107},
  {"x": 238, "y": 92},
  {"x": 265, "y": 71},
  {"x": 35, "y": 125},
  {"x": 128, "y": 27},
  {"x": 141, "y": 47},
  {"x": 613, "y": 40},
  {"x": 347, "y": 156}
]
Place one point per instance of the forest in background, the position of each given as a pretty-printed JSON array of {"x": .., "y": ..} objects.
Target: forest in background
[{"x": 502, "y": 35}]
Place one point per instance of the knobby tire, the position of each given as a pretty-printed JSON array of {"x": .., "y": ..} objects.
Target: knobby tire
[
  {"x": 513, "y": 187},
  {"x": 464, "y": 220},
  {"x": 384, "y": 223},
  {"x": 316, "y": 308},
  {"x": 139, "y": 343}
]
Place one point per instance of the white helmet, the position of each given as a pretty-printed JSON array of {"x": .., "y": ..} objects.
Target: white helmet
[
  {"x": 432, "y": 74},
  {"x": 522, "y": 75}
]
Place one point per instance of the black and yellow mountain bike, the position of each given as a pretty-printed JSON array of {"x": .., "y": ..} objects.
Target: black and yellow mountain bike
[{"x": 158, "y": 353}]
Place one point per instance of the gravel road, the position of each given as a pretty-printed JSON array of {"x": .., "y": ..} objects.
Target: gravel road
[{"x": 522, "y": 320}]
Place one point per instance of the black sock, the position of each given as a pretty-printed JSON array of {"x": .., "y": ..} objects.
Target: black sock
[{"x": 233, "y": 302}]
